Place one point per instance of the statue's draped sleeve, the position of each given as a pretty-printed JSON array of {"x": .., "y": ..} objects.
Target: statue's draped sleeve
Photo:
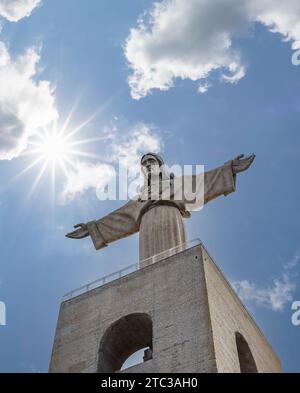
[
  {"x": 116, "y": 225},
  {"x": 219, "y": 181},
  {"x": 208, "y": 186}
]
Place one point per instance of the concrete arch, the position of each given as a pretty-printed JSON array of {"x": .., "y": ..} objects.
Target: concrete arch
[
  {"x": 122, "y": 339},
  {"x": 246, "y": 359}
]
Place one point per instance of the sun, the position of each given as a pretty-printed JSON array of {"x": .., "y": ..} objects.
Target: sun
[
  {"x": 57, "y": 149},
  {"x": 53, "y": 147}
]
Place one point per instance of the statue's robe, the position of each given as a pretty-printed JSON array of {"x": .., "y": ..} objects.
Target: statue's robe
[{"x": 160, "y": 221}]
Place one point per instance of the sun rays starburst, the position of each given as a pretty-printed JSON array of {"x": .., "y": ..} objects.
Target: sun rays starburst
[
  {"x": 56, "y": 149},
  {"x": 52, "y": 147}
]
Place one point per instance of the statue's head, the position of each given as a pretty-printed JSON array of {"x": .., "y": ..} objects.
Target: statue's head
[
  {"x": 152, "y": 164},
  {"x": 154, "y": 168}
]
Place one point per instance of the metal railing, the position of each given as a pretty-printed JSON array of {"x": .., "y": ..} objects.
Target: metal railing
[
  {"x": 129, "y": 269},
  {"x": 100, "y": 281}
]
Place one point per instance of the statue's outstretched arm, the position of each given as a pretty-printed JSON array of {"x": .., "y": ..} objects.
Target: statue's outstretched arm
[
  {"x": 222, "y": 180},
  {"x": 116, "y": 225}
]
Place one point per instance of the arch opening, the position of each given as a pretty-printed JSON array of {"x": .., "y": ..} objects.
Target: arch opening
[
  {"x": 122, "y": 339},
  {"x": 246, "y": 359}
]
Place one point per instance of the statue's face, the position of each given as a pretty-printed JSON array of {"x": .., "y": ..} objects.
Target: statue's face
[{"x": 151, "y": 166}]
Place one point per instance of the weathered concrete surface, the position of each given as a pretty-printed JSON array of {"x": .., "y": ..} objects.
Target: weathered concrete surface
[
  {"x": 228, "y": 316},
  {"x": 170, "y": 291},
  {"x": 194, "y": 311}
]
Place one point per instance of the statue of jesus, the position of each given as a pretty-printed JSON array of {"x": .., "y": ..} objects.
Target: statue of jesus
[{"x": 159, "y": 220}]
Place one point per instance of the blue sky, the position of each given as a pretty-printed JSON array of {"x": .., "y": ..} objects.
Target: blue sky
[{"x": 86, "y": 55}]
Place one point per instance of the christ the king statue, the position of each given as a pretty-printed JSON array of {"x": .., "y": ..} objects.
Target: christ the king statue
[{"x": 159, "y": 220}]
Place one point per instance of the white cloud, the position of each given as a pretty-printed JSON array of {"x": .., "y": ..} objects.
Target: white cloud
[
  {"x": 85, "y": 176},
  {"x": 15, "y": 10},
  {"x": 25, "y": 103},
  {"x": 141, "y": 139},
  {"x": 190, "y": 39},
  {"x": 203, "y": 87},
  {"x": 281, "y": 17},
  {"x": 274, "y": 297},
  {"x": 294, "y": 262},
  {"x": 126, "y": 149}
]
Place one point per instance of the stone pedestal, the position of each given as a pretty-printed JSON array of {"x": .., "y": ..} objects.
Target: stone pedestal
[{"x": 182, "y": 308}]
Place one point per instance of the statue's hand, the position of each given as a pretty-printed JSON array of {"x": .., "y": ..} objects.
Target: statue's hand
[
  {"x": 242, "y": 163},
  {"x": 80, "y": 233}
]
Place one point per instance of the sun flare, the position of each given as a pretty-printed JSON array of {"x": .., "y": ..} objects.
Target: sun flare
[
  {"x": 53, "y": 147},
  {"x": 56, "y": 148}
]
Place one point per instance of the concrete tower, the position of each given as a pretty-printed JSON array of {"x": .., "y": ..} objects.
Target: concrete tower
[{"x": 181, "y": 308}]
